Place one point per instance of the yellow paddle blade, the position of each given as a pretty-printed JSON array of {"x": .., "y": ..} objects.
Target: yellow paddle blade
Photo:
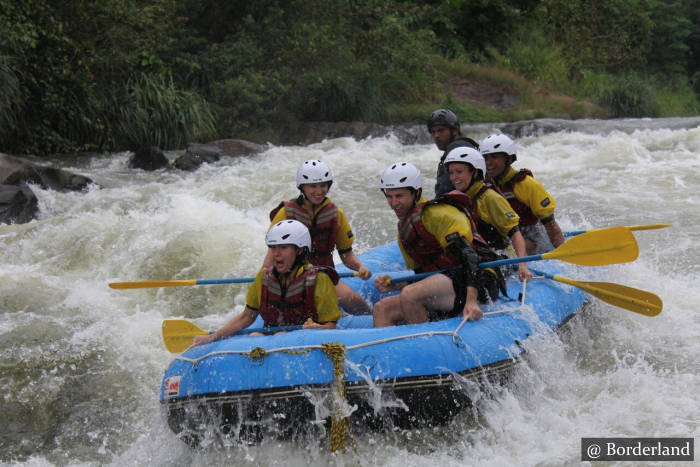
[
  {"x": 648, "y": 226},
  {"x": 150, "y": 284},
  {"x": 629, "y": 298},
  {"x": 598, "y": 248},
  {"x": 178, "y": 334}
]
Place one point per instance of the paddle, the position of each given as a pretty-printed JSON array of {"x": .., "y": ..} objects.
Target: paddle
[
  {"x": 598, "y": 247},
  {"x": 178, "y": 333},
  {"x": 629, "y": 298},
  {"x": 152, "y": 284},
  {"x": 631, "y": 227}
]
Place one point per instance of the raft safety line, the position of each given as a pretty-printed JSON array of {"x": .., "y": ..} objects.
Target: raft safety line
[{"x": 195, "y": 361}]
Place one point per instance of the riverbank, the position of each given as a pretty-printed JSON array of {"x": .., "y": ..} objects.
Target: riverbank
[
  {"x": 201, "y": 72},
  {"x": 496, "y": 96}
]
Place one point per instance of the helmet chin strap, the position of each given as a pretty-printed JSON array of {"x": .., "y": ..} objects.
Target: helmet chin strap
[
  {"x": 306, "y": 198},
  {"x": 301, "y": 259},
  {"x": 416, "y": 195},
  {"x": 473, "y": 179}
]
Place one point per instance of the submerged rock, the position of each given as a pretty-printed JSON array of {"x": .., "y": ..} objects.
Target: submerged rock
[
  {"x": 237, "y": 147},
  {"x": 198, "y": 154},
  {"x": 149, "y": 158},
  {"x": 18, "y": 204},
  {"x": 16, "y": 170}
]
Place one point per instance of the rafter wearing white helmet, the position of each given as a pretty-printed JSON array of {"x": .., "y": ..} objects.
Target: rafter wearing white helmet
[
  {"x": 466, "y": 155},
  {"x": 289, "y": 232},
  {"x": 497, "y": 143},
  {"x": 314, "y": 171},
  {"x": 401, "y": 175}
]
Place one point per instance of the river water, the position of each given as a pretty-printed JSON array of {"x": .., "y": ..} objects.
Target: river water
[{"x": 81, "y": 364}]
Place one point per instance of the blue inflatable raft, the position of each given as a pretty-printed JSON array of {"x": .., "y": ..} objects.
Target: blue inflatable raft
[{"x": 249, "y": 387}]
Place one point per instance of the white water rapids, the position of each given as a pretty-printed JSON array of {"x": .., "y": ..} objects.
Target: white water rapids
[{"x": 81, "y": 364}]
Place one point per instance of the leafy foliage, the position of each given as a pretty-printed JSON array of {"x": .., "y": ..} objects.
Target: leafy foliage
[
  {"x": 150, "y": 110},
  {"x": 85, "y": 74},
  {"x": 668, "y": 49},
  {"x": 532, "y": 56},
  {"x": 10, "y": 97},
  {"x": 601, "y": 34},
  {"x": 631, "y": 95},
  {"x": 68, "y": 56},
  {"x": 312, "y": 60}
]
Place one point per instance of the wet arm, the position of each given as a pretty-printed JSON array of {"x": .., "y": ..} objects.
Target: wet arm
[
  {"x": 554, "y": 232},
  {"x": 351, "y": 261},
  {"x": 472, "y": 310},
  {"x": 243, "y": 320},
  {"x": 520, "y": 250},
  {"x": 384, "y": 285}
]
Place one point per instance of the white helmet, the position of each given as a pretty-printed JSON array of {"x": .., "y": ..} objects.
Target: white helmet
[
  {"x": 289, "y": 232},
  {"x": 467, "y": 155},
  {"x": 401, "y": 175},
  {"x": 314, "y": 171},
  {"x": 498, "y": 143}
]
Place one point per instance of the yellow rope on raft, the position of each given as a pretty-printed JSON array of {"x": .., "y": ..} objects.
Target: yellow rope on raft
[
  {"x": 340, "y": 426},
  {"x": 257, "y": 352}
]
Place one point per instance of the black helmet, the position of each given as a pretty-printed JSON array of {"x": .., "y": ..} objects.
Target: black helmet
[{"x": 443, "y": 117}]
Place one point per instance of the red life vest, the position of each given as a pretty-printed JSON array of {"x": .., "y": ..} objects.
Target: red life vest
[
  {"x": 421, "y": 245},
  {"x": 294, "y": 304},
  {"x": 323, "y": 228},
  {"x": 487, "y": 231},
  {"x": 467, "y": 205},
  {"x": 527, "y": 217}
]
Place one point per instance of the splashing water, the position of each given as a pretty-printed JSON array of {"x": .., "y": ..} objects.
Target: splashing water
[{"x": 81, "y": 364}]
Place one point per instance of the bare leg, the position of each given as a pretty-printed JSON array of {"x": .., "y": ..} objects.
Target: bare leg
[
  {"x": 432, "y": 293},
  {"x": 351, "y": 301},
  {"x": 387, "y": 311},
  {"x": 412, "y": 304}
]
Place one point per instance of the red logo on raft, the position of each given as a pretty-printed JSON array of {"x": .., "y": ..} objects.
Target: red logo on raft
[{"x": 172, "y": 386}]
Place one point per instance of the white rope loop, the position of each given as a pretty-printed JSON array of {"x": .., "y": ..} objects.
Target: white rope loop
[{"x": 454, "y": 334}]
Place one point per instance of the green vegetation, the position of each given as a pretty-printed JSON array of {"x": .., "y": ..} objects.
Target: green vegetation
[
  {"x": 150, "y": 109},
  {"x": 87, "y": 75}
]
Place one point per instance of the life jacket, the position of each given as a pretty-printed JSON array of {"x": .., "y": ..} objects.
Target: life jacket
[
  {"x": 323, "y": 228},
  {"x": 467, "y": 205},
  {"x": 425, "y": 249},
  {"x": 422, "y": 246},
  {"x": 521, "y": 209},
  {"x": 294, "y": 304},
  {"x": 491, "y": 280},
  {"x": 487, "y": 231}
]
